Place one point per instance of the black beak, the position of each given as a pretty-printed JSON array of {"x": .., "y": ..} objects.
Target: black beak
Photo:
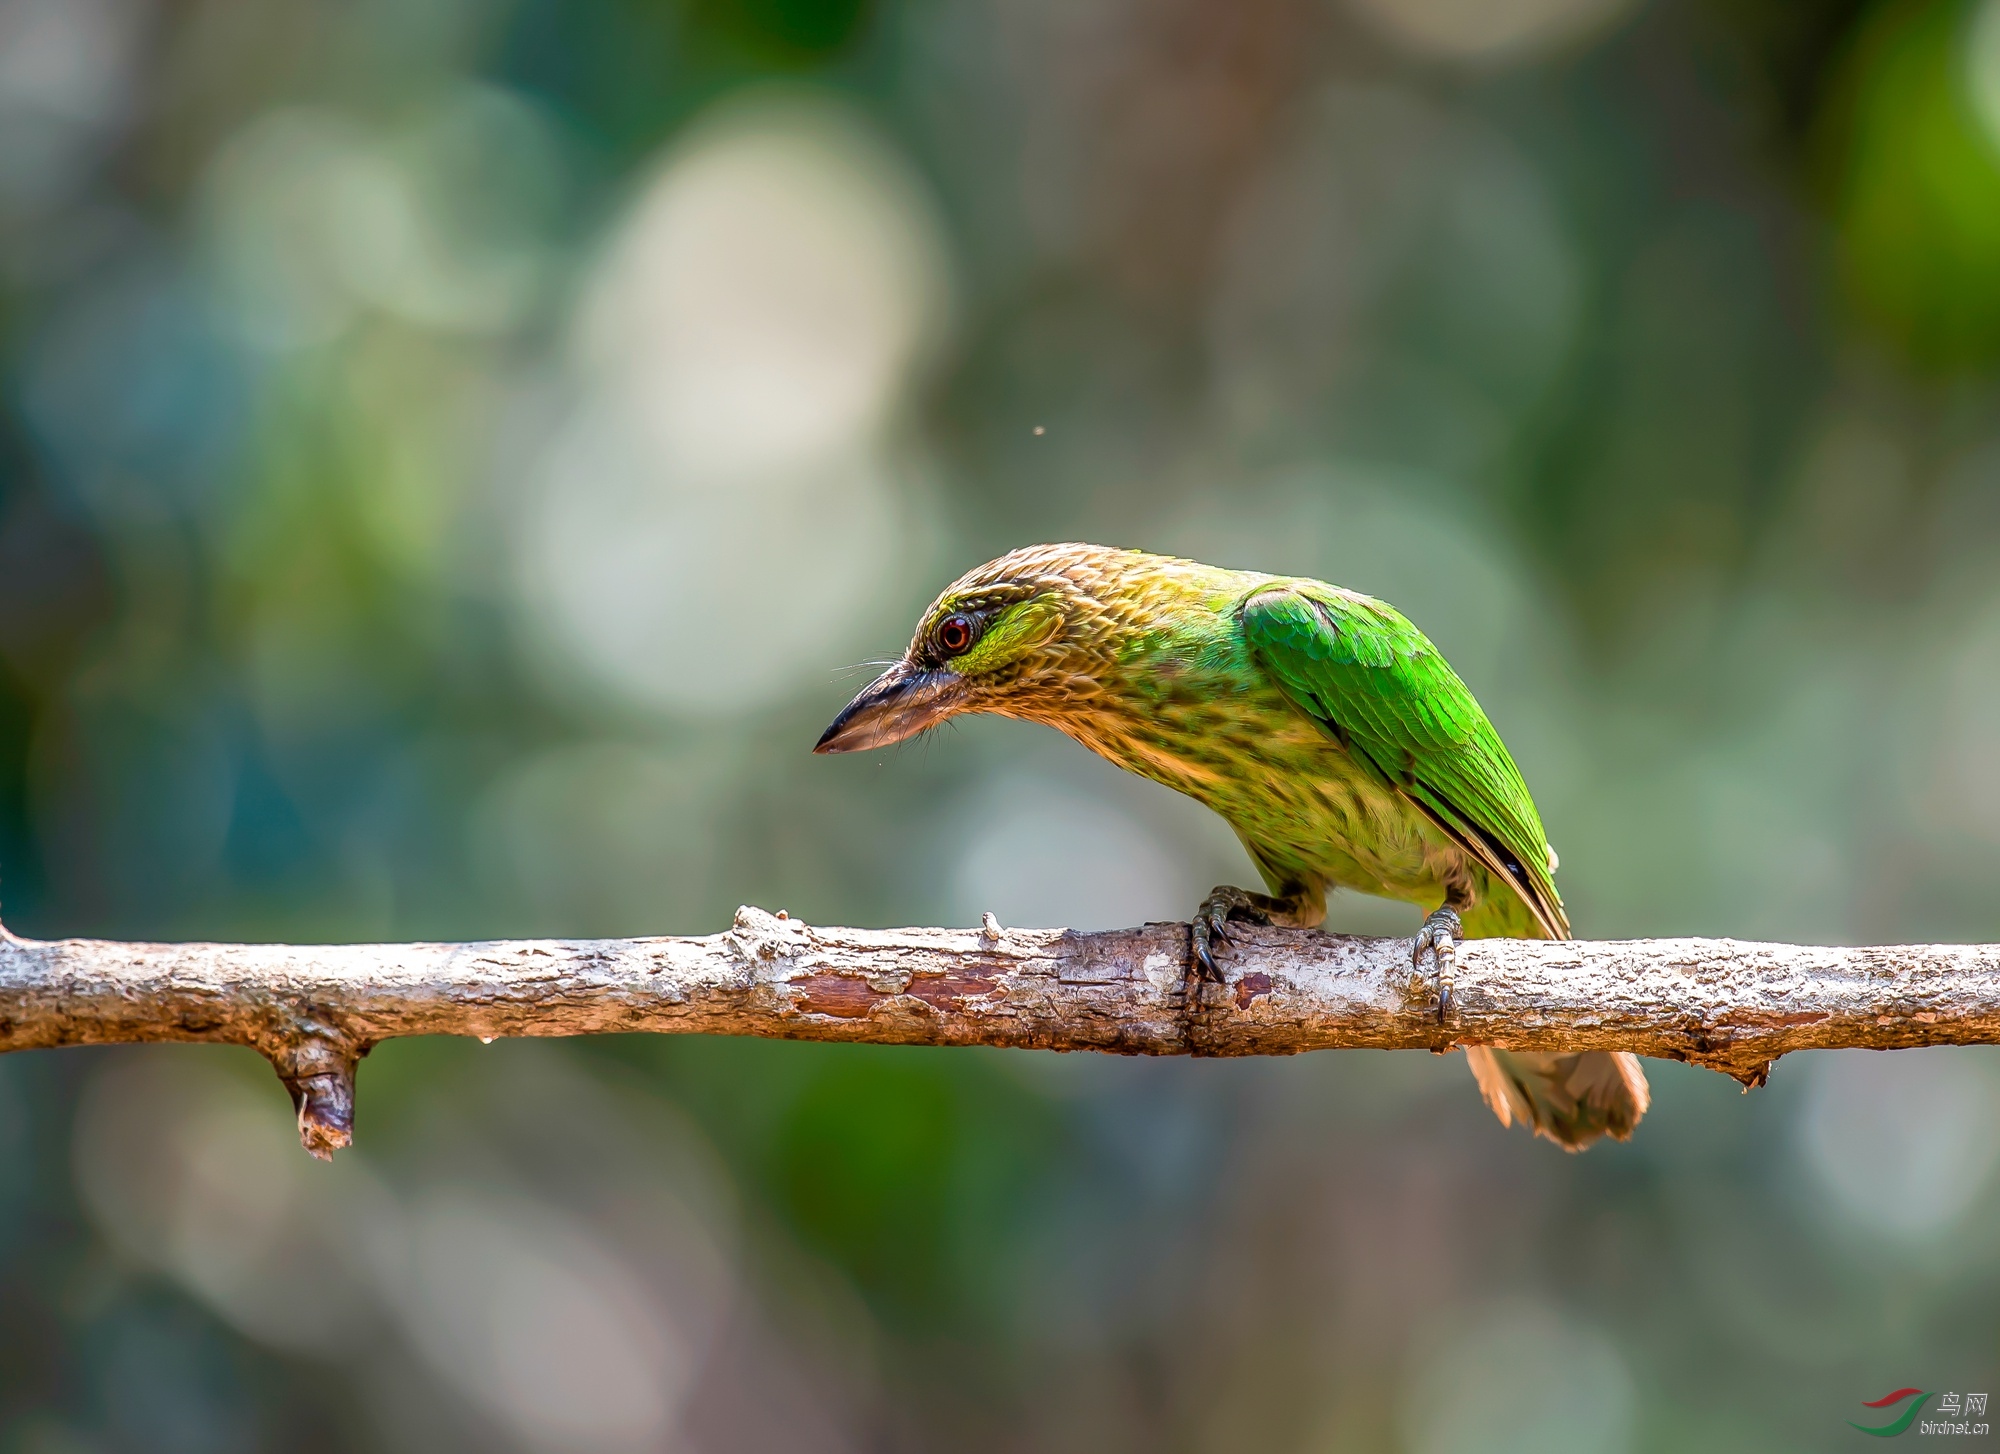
[{"x": 900, "y": 703}]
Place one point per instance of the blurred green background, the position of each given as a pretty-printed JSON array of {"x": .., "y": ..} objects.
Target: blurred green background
[{"x": 455, "y": 455}]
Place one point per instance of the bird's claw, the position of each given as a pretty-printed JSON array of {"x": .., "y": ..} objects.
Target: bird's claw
[
  {"x": 1439, "y": 938},
  {"x": 1210, "y": 930},
  {"x": 1209, "y": 933}
]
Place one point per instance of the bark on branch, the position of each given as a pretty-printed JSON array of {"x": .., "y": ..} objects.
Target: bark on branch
[{"x": 315, "y": 1010}]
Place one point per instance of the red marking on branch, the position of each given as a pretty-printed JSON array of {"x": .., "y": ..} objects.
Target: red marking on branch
[
  {"x": 839, "y": 995},
  {"x": 1250, "y": 987}
]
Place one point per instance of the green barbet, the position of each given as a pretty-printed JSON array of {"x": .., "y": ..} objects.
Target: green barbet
[{"x": 1322, "y": 726}]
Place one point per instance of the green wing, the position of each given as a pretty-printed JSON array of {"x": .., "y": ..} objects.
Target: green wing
[{"x": 1378, "y": 687}]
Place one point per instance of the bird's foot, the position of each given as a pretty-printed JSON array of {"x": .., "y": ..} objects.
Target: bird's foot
[
  {"x": 1211, "y": 925},
  {"x": 1439, "y": 940}
]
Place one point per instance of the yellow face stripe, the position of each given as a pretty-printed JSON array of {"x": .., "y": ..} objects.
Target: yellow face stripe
[{"x": 1018, "y": 629}]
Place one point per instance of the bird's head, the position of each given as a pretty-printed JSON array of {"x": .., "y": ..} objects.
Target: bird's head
[{"x": 1015, "y": 637}]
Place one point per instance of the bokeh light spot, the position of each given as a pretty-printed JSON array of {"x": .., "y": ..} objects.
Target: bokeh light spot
[
  {"x": 728, "y": 500},
  {"x": 535, "y": 1321},
  {"x": 1491, "y": 32},
  {"x": 1039, "y": 854},
  {"x": 1904, "y": 1141},
  {"x": 1516, "y": 1377},
  {"x": 1918, "y": 171}
]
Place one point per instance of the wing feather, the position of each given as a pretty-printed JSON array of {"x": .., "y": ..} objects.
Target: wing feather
[{"x": 1377, "y": 685}]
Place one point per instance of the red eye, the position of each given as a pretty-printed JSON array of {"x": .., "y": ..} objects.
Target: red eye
[{"x": 954, "y": 634}]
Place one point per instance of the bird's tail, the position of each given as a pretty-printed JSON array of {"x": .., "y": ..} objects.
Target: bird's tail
[{"x": 1570, "y": 1098}]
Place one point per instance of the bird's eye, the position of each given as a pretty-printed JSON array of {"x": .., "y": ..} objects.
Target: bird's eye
[{"x": 954, "y": 634}]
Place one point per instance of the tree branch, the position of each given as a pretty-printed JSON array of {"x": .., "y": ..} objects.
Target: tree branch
[{"x": 314, "y": 1010}]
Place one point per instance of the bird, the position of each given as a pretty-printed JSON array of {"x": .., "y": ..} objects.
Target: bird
[{"x": 1318, "y": 722}]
